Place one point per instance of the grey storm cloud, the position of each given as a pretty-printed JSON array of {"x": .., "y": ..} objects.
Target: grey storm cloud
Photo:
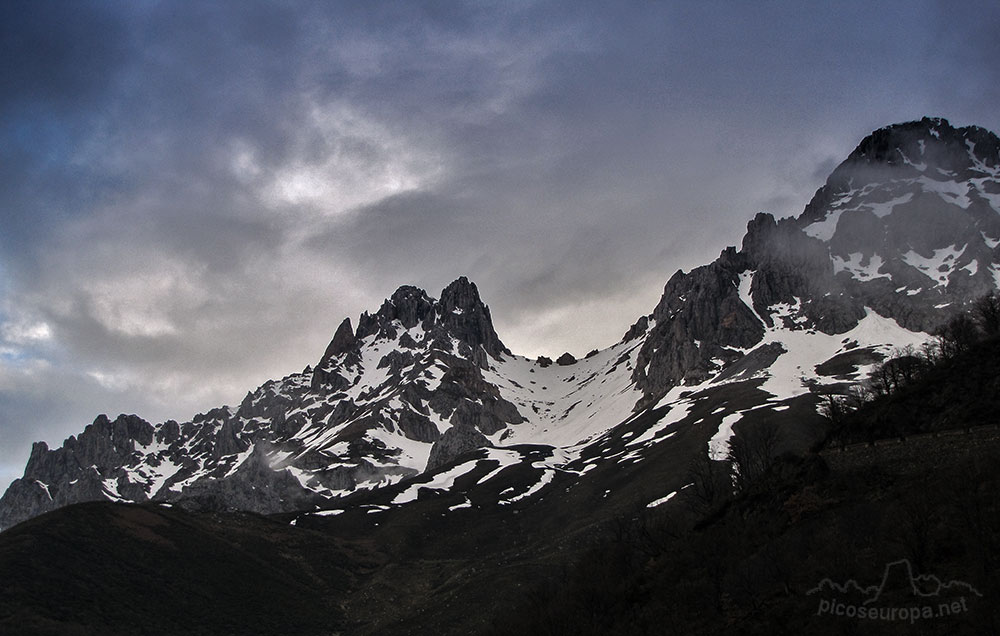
[{"x": 194, "y": 195}]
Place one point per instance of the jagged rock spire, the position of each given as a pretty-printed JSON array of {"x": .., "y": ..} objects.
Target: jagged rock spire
[
  {"x": 463, "y": 313},
  {"x": 460, "y": 314},
  {"x": 343, "y": 342}
]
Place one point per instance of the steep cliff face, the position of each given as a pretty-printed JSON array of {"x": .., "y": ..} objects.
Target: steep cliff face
[
  {"x": 87, "y": 467},
  {"x": 700, "y": 325}
]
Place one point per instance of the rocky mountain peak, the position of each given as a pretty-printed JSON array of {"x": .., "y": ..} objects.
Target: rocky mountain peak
[
  {"x": 463, "y": 313},
  {"x": 908, "y": 226},
  {"x": 930, "y": 148},
  {"x": 343, "y": 342},
  {"x": 932, "y": 141},
  {"x": 461, "y": 294},
  {"x": 460, "y": 313},
  {"x": 460, "y": 318},
  {"x": 898, "y": 144},
  {"x": 409, "y": 305},
  {"x": 910, "y": 222}
]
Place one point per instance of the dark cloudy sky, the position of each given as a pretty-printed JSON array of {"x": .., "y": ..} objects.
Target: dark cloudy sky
[{"x": 195, "y": 194}]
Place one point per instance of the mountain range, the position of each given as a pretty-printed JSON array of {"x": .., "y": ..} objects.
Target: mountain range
[
  {"x": 904, "y": 233},
  {"x": 419, "y": 421}
]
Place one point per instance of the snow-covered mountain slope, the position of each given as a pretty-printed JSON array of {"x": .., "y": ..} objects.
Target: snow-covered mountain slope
[{"x": 423, "y": 399}]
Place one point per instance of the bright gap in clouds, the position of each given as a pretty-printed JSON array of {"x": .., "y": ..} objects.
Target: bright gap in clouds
[{"x": 343, "y": 160}]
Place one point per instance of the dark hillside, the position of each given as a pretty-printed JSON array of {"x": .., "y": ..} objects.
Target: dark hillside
[
  {"x": 750, "y": 567},
  {"x": 949, "y": 392},
  {"x": 103, "y": 568}
]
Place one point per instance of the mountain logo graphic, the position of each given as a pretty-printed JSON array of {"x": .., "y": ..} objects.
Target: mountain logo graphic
[{"x": 900, "y": 595}]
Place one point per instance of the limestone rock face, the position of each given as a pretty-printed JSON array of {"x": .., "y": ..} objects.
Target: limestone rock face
[
  {"x": 468, "y": 399},
  {"x": 455, "y": 441},
  {"x": 87, "y": 467},
  {"x": 343, "y": 342},
  {"x": 253, "y": 487},
  {"x": 462, "y": 313},
  {"x": 408, "y": 305},
  {"x": 699, "y": 318}
]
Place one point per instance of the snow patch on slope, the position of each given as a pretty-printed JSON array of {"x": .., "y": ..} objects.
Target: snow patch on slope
[
  {"x": 565, "y": 405},
  {"x": 856, "y": 267},
  {"x": 718, "y": 446},
  {"x": 939, "y": 266},
  {"x": 794, "y": 370},
  {"x": 441, "y": 481},
  {"x": 661, "y": 500},
  {"x": 543, "y": 481}
]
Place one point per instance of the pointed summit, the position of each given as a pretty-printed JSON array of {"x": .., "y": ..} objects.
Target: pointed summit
[
  {"x": 461, "y": 293},
  {"x": 343, "y": 341},
  {"x": 463, "y": 313},
  {"x": 460, "y": 315}
]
